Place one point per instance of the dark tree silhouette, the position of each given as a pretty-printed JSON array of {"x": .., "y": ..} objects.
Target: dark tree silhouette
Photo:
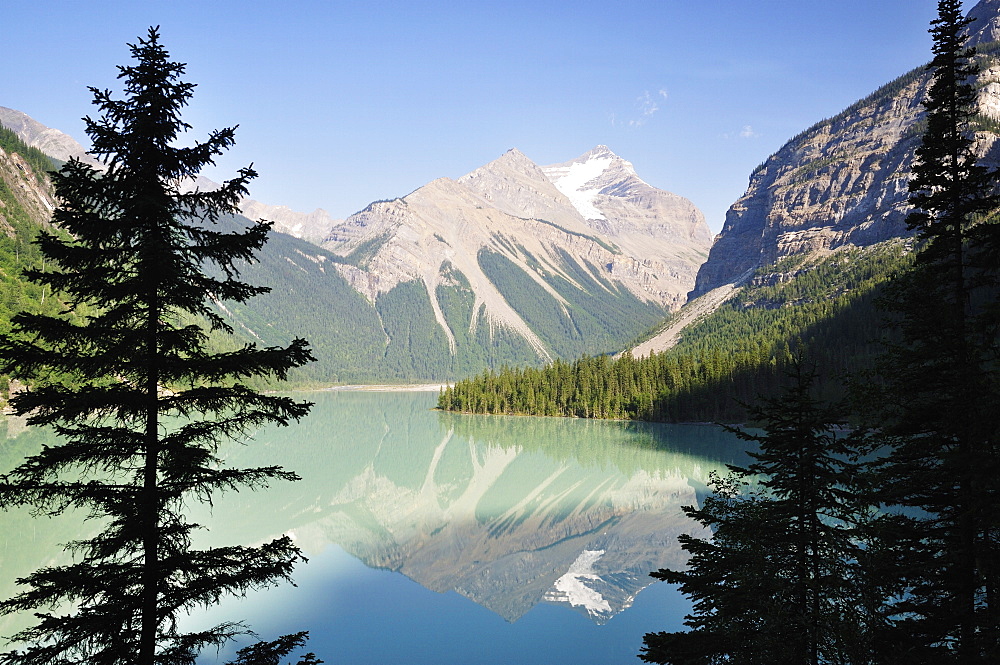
[
  {"x": 139, "y": 401},
  {"x": 940, "y": 410},
  {"x": 730, "y": 582},
  {"x": 780, "y": 579}
]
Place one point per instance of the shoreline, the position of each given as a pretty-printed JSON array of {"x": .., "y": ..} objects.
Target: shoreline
[{"x": 389, "y": 387}]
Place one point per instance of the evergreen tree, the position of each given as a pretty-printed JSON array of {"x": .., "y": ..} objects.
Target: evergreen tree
[
  {"x": 779, "y": 582},
  {"x": 140, "y": 403},
  {"x": 730, "y": 583},
  {"x": 940, "y": 412}
]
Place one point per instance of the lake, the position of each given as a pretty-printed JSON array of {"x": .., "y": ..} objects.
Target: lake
[{"x": 443, "y": 538}]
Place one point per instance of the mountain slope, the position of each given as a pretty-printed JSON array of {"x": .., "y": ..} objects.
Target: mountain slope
[
  {"x": 537, "y": 271},
  {"x": 497, "y": 268},
  {"x": 50, "y": 141},
  {"x": 843, "y": 182},
  {"x": 26, "y": 204},
  {"x": 799, "y": 265}
]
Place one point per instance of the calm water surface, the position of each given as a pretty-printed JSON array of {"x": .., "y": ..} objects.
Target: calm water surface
[{"x": 440, "y": 538}]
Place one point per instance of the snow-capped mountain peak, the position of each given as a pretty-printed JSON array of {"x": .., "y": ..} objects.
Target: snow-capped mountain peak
[{"x": 582, "y": 179}]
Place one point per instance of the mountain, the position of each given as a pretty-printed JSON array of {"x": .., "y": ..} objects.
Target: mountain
[
  {"x": 643, "y": 220},
  {"x": 50, "y": 141},
  {"x": 559, "y": 260},
  {"x": 799, "y": 266},
  {"x": 312, "y": 226},
  {"x": 511, "y": 264},
  {"x": 985, "y": 28},
  {"x": 843, "y": 181},
  {"x": 495, "y": 268},
  {"x": 840, "y": 185}
]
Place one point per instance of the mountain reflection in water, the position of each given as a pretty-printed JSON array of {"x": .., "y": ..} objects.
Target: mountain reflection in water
[
  {"x": 509, "y": 512},
  {"x": 506, "y": 511}
]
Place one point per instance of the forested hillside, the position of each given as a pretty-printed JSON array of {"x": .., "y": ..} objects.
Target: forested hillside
[
  {"x": 398, "y": 339},
  {"x": 25, "y": 205},
  {"x": 822, "y": 308}
]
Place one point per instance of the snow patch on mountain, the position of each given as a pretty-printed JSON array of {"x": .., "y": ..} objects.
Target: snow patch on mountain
[{"x": 572, "y": 180}]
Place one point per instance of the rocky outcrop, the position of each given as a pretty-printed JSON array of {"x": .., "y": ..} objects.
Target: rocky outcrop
[
  {"x": 34, "y": 195},
  {"x": 843, "y": 181},
  {"x": 985, "y": 27}
]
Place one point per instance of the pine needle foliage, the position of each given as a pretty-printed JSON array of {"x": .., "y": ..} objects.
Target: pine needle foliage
[
  {"x": 140, "y": 404},
  {"x": 779, "y": 581},
  {"x": 939, "y": 413}
]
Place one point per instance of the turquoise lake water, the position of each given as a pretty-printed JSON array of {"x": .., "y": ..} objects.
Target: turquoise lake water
[{"x": 443, "y": 538}]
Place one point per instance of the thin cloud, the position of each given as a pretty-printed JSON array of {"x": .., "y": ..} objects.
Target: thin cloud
[
  {"x": 646, "y": 106},
  {"x": 746, "y": 133}
]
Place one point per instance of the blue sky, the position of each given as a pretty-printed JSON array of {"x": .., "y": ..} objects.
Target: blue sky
[{"x": 341, "y": 102}]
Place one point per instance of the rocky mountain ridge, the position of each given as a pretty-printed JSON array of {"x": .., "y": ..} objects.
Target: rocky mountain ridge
[
  {"x": 497, "y": 267},
  {"x": 844, "y": 181},
  {"x": 52, "y": 142},
  {"x": 312, "y": 226},
  {"x": 592, "y": 214}
]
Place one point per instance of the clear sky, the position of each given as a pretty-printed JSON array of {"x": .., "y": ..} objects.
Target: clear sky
[{"x": 341, "y": 102}]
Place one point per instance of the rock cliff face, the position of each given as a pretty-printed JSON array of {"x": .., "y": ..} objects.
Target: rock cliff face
[
  {"x": 986, "y": 23},
  {"x": 844, "y": 180}
]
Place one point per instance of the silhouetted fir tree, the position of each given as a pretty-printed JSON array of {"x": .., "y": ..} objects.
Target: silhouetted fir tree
[
  {"x": 139, "y": 402},
  {"x": 730, "y": 583},
  {"x": 779, "y": 582},
  {"x": 940, "y": 410}
]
